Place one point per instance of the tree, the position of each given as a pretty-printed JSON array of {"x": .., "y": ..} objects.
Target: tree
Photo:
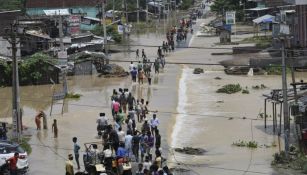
[{"x": 221, "y": 6}]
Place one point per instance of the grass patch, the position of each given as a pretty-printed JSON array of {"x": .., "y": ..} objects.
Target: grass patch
[
  {"x": 230, "y": 89},
  {"x": 73, "y": 95},
  {"x": 249, "y": 144},
  {"x": 24, "y": 144},
  {"x": 260, "y": 41},
  {"x": 276, "y": 69}
]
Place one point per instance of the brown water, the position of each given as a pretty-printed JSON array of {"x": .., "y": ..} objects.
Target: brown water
[{"x": 214, "y": 134}]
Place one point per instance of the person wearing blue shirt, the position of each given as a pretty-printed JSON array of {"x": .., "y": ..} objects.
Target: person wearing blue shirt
[{"x": 121, "y": 151}]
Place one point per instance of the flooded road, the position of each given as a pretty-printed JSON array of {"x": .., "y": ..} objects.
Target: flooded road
[{"x": 188, "y": 106}]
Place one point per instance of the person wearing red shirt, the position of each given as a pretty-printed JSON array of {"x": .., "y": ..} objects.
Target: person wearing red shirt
[{"x": 13, "y": 164}]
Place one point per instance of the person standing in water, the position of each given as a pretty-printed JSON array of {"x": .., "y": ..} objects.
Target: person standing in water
[
  {"x": 76, "y": 151},
  {"x": 55, "y": 128}
]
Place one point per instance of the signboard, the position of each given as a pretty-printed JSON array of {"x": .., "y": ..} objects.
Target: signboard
[
  {"x": 62, "y": 54},
  {"x": 74, "y": 24},
  {"x": 231, "y": 17},
  {"x": 284, "y": 29},
  {"x": 120, "y": 29},
  {"x": 62, "y": 57}
]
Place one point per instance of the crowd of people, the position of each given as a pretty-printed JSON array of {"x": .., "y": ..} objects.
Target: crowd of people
[
  {"x": 130, "y": 135},
  {"x": 142, "y": 70},
  {"x": 133, "y": 134}
]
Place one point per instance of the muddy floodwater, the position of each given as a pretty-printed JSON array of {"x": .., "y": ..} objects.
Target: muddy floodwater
[{"x": 190, "y": 111}]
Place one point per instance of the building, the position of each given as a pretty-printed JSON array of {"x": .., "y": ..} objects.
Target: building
[
  {"x": 275, "y": 3},
  {"x": 7, "y": 19},
  {"x": 77, "y": 9}
]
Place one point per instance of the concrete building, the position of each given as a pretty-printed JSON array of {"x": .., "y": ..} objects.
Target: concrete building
[
  {"x": 84, "y": 8},
  {"x": 7, "y": 19}
]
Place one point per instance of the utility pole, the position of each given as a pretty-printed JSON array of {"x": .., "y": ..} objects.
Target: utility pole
[
  {"x": 16, "y": 118},
  {"x": 285, "y": 99},
  {"x": 146, "y": 11},
  {"x": 113, "y": 8},
  {"x": 105, "y": 39},
  {"x": 138, "y": 11},
  {"x": 61, "y": 32}
]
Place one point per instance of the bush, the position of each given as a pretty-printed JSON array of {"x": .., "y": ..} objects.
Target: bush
[
  {"x": 230, "y": 89},
  {"x": 276, "y": 69},
  {"x": 111, "y": 31},
  {"x": 241, "y": 143},
  {"x": 73, "y": 95},
  {"x": 24, "y": 144}
]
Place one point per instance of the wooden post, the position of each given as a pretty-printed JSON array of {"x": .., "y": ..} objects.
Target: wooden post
[
  {"x": 265, "y": 100},
  {"x": 63, "y": 106},
  {"x": 51, "y": 102},
  {"x": 280, "y": 114},
  {"x": 45, "y": 125},
  {"x": 273, "y": 108}
]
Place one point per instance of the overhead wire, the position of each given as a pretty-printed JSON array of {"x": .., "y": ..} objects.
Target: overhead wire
[{"x": 165, "y": 112}]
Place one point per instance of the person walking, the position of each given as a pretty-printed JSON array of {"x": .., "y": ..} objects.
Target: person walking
[
  {"x": 136, "y": 145},
  {"x": 157, "y": 66},
  {"x": 154, "y": 123},
  {"x": 137, "y": 53},
  {"x": 149, "y": 78},
  {"x": 143, "y": 54},
  {"x": 102, "y": 122},
  {"x": 134, "y": 73},
  {"x": 13, "y": 163},
  {"x": 131, "y": 66},
  {"x": 141, "y": 76},
  {"x": 157, "y": 139},
  {"x": 69, "y": 167},
  {"x": 38, "y": 120},
  {"x": 55, "y": 128},
  {"x": 76, "y": 151}
]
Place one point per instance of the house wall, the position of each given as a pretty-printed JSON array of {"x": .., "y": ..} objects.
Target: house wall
[
  {"x": 5, "y": 48},
  {"x": 300, "y": 29},
  {"x": 87, "y": 11}
]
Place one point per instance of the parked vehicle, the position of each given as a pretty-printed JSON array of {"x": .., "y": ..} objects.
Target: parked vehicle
[{"x": 7, "y": 150}]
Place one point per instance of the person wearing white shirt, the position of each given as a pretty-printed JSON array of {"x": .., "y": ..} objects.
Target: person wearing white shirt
[
  {"x": 121, "y": 135},
  {"x": 131, "y": 66},
  {"x": 154, "y": 123}
]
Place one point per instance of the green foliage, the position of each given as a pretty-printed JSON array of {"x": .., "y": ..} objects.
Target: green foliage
[
  {"x": 221, "y": 6},
  {"x": 11, "y": 4},
  {"x": 186, "y": 4},
  {"x": 249, "y": 144},
  {"x": 73, "y": 95},
  {"x": 276, "y": 69},
  {"x": 260, "y": 41},
  {"x": 111, "y": 31},
  {"x": 230, "y": 89},
  {"x": 24, "y": 144},
  {"x": 31, "y": 70}
]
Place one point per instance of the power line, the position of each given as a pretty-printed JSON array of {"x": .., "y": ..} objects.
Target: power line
[{"x": 165, "y": 112}]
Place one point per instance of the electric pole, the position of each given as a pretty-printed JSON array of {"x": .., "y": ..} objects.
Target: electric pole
[
  {"x": 138, "y": 11},
  {"x": 146, "y": 11},
  {"x": 285, "y": 99},
  {"x": 105, "y": 39},
  {"x": 113, "y": 8},
  {"x": 16, "y": 118}
]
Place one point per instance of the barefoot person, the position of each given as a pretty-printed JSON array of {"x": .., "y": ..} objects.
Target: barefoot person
[{"x": 38, "y": 120}]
